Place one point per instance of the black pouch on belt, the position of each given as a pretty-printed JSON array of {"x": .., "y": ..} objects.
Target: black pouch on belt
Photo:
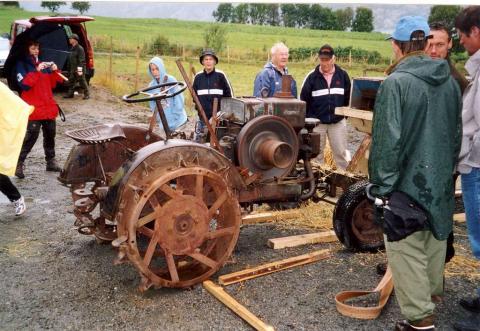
[{"x": 402, "y": 216}]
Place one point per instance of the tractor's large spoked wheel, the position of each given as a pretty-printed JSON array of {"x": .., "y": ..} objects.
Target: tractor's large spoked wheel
[{"x": 183, "y": 228}]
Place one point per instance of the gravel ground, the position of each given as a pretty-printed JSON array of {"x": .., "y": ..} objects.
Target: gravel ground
[{"x": 55, "y": 278}]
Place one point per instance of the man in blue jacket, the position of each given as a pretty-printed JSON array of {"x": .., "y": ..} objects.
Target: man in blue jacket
[
  {"x": 269, "y": 80},
  {"x": 324, "y": 88}
]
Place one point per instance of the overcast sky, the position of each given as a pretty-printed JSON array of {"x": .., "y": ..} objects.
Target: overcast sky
[{"x": 385, "y": 15}]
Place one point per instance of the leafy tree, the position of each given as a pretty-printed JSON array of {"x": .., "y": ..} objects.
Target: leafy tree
[
  {"x": 10, "y": 3},
  {"x": 303, "y": 14},
  {"x": 53, "y": 6},
  {"x": 241, "y": 14},
  {"x": 446, "y": 15},
  {"x": 363, "y": 21},
  {"x": 81, "y": 6},
  {"x": 289, "y": 14},
  {"x": 258, "y": 13},
  {"x": 215, "y": 37},
  {"x": 273, "y": 15},
  {"x": 344, "y": 18},
  {"x": 224, "y": 13},
  {"x": 322, "y": 18}
]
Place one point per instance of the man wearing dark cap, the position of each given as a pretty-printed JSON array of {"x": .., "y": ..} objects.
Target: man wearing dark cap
[
  {"x": 416, "y": 138},
  {"x": 324, "y": 88},
  {"x": 209, "y": 84},
  {"x": 76, "y": 62}
]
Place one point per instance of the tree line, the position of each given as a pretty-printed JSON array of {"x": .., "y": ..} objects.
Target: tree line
[{"x": 309, "y": 16}]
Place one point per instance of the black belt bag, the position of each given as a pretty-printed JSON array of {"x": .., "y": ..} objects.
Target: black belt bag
[{"x": 400, "y": 215}]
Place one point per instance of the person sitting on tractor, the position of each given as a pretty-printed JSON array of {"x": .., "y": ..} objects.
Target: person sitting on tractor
[{"x": 172, "y": 107}]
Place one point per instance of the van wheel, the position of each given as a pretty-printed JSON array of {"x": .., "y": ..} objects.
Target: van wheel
[{"x": 354, "y": 220}]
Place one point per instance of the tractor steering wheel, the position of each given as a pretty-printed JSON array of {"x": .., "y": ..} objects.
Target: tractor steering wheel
[{"x": 170, "y": 90}]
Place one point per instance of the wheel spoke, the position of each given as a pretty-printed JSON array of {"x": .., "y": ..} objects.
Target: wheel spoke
[
  {"x": 147, "y": 218},
  {"x": 171, "y": 267},
  {"x": 199, "y": 187},
  {"x": 217, "y": 204},
  {"x": 172, "y": 193},
  {"x": 150, "y": 250},
  {"x": 220, "y": 233},
  {"x": 146, "y": 231},
  {"x": 203, "y": 259}
]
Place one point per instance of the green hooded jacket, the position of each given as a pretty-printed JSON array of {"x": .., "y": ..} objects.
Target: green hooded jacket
[{"x": 416, "y": 137}]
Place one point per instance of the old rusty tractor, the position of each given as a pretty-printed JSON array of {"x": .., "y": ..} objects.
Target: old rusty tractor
[{"x": 172, "y": 207}]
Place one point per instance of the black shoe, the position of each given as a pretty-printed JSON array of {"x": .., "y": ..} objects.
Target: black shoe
[
  {"x": 68, "y": 96},
  {"x": 466, "y": 325},
  {"x": 472, "y": 305},
  {"x": 19, "y": 170},
  {"x": 53, "y": 166},
  {"x": 85, "y": 97}
]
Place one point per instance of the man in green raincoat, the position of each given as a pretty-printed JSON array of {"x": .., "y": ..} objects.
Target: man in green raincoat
[{"x": 416, "y": 141}]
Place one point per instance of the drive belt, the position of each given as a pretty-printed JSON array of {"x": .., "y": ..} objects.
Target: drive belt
[{"x": 384, "y": 288}]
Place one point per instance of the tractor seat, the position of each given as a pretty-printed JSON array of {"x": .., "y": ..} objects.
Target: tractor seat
[{"x": 97, "y": 134}]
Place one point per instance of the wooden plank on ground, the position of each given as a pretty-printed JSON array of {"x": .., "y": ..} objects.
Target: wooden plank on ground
[
  {"x": 269, "y": 268},
  {"x": 264, "y": 217},
  {"x": 219, "y": 293},
  {"x": 460, "y": 218},
  {"x": 302, "y": 239}
]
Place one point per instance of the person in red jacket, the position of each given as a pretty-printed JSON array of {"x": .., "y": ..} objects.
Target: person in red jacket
[{"x": 36, "y": 80}]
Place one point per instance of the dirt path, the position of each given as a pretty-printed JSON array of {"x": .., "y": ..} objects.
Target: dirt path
[{"x": 55, "y": 278}]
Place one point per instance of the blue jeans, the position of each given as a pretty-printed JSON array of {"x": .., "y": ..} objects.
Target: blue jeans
[{"x": 471, "y": 201}]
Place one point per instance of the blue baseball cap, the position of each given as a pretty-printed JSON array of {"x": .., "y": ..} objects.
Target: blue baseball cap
[{"x": 407, "y": 25}]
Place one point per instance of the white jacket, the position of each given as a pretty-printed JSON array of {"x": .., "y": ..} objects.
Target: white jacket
[{"x": 470, "y": 152}]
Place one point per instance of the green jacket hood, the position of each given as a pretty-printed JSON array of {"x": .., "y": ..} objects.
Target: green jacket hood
[{"x": 433, "y": 71}]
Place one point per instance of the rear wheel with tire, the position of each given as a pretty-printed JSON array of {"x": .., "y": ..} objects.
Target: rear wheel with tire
[{"x": 354, "y": 220}]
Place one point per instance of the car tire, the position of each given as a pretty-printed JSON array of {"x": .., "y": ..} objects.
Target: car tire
[{"x": 354, "y": 220}]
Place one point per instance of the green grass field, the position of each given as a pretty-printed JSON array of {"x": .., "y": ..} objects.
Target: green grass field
[
  {"x": 243, "y": 40},
  {"x": 127, "y": 34}
]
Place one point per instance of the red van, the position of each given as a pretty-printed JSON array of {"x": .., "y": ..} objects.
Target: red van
[{"x": 70, "y": 24}]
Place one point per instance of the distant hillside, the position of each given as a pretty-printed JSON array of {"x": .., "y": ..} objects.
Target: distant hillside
[{"x": 385, "y": 16}]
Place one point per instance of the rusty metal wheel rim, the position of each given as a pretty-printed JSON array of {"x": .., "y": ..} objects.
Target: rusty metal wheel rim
[
  {"x": 364, "y": 227},
  {"x": 190, "y": 231}
]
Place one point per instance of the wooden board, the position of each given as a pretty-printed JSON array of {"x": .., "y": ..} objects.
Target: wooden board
[
  {"x": 352, "y": 112},
  {"x": 264, "y": 217},
  {"x": 460, "y": 218},
  {"x": 269, "y": 268},
  {"x": 302, "y": 239},
  {"x": 219, "y": 293}
]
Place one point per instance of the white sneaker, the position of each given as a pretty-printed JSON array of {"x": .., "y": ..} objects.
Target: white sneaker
[{"x": 19, "y": 206}]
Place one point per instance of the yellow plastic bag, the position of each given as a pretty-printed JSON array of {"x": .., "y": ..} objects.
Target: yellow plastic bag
[{"x": 14, "y": 114}]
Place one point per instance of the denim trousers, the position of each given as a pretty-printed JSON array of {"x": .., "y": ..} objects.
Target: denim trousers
[{"x": 471, "y": 201}]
